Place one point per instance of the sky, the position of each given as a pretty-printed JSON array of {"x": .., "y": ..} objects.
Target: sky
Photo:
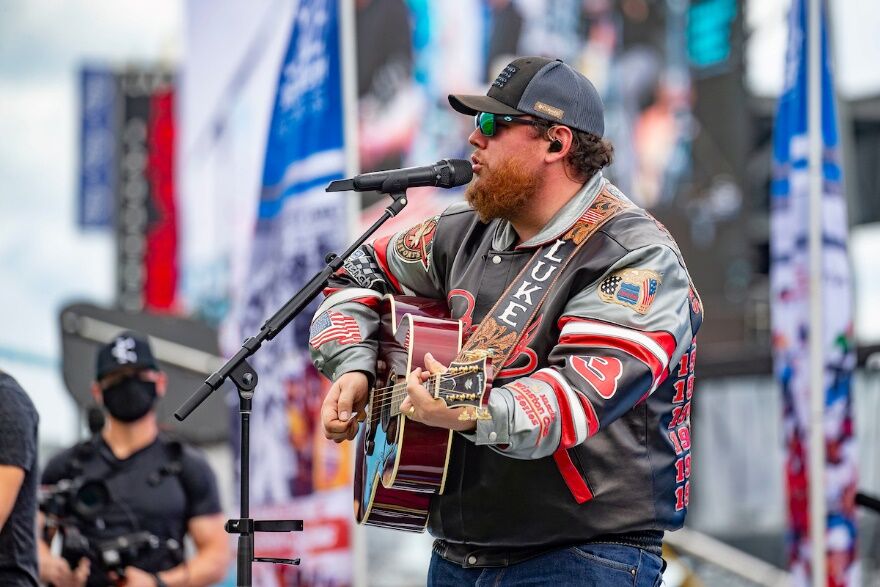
[
  {"x": 854, "y": 26},
  {"x": 46, "y": 261}
]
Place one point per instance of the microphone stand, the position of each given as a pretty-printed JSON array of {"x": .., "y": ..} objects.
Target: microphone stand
[{"x": 245, "y": 378}]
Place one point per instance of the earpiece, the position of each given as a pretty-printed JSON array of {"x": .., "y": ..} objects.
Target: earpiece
[{"x": 555, "y": 146}]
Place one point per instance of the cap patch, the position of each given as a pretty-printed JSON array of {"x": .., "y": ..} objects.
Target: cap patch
[
  {"x": 549, "y": 110},
  {"x": 124, "y": 350},
  {"x": 505, "y": 75},
  {"x": 632, "y": 288}
]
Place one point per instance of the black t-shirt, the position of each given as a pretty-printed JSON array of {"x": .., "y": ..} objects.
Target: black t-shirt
[
  {"x": 146, "y": 494},
  {"x": 18, "y": 447}
]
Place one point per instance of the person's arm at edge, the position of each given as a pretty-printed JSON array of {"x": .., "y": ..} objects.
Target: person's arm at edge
[
  {"x": 211, "y": 561},
  {"x": 11, "y": 478}
]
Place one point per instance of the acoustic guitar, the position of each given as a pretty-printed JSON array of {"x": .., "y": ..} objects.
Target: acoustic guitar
[{"x": 401, "y": 463}]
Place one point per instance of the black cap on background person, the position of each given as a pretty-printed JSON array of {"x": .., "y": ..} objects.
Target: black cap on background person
[
  {"x": 128, "y": 349},
  {"x": 128, "y": 380}
]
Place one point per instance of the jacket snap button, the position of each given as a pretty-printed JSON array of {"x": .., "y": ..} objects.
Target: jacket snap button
[
  {"x": 493, "y": 435},
  {"x": 472, "y": 560},
  {"x": 496, "y": 259}
]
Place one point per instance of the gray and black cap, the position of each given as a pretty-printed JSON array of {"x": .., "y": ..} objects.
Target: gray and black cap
[{"x": 541, "y": 87}]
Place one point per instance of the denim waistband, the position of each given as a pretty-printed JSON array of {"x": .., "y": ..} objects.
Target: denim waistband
[{"x": 468, "y": 555}]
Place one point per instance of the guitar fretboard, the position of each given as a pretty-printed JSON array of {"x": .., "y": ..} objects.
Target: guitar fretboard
[{"x": 392, "y": 397}]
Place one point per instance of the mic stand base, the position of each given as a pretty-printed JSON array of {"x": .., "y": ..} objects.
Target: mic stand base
[{"x": 245, "y": 379}]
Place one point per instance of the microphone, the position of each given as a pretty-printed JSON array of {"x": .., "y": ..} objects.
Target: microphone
[{"x": 447, "y": 173}]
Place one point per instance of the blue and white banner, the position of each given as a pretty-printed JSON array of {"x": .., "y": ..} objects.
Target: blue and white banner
[
  {"x": 790, "y": 290},
  {"x": 97, "y": 148},
  {"x": 296, "y": 473}
]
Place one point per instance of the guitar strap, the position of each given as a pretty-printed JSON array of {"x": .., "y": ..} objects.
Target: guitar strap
[
  {"x": 504, "y": 325},
  {"x": 517, "y": 307}
]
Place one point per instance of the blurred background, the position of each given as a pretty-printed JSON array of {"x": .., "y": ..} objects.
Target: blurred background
[{"x": 145, "y": 182}]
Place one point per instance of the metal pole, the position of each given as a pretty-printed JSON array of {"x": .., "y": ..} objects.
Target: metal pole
[
  {"x": 348, "y": 61},
  {"x": 818, "y": 506}
]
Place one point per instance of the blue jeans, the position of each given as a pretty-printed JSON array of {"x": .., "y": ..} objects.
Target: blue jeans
[{"x": 603, "y": 565}]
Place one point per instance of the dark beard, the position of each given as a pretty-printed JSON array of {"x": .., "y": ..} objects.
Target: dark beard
[{"x": 502, "y": 192}]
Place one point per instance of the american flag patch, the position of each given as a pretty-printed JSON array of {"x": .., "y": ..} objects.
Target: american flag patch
[
  {"x": 632, "y": 288},
  {"x": 593, "y": 216},
  {"x": 334, "y": 326}
]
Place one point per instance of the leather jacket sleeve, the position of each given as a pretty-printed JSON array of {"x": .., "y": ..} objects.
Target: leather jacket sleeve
[
  {"x": 343, "y": 332},
  {"x": 611, "y": 354}
]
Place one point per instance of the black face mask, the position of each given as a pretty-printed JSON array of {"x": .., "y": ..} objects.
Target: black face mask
[{"x": 130, "y": 399}]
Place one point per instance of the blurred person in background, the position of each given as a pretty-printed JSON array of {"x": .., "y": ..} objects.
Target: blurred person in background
[
  {"x": 18, "y": 485},
  {"x": 585, "y": 460},
  {"x": 153, "y": 483}
]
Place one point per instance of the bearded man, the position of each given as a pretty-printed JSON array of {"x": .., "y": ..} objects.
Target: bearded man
[{"x": 584, "y": 460}]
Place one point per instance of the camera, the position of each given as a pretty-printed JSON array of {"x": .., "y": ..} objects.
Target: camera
[
  {"x": 75, "y": 498},
  {"x": 73, "y": 505}
]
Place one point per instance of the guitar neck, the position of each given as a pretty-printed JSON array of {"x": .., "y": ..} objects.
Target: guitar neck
[{"x": 392, "y": 397}]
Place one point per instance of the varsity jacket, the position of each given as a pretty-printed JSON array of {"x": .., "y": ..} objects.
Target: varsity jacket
[{"x": 589, "y": 432}]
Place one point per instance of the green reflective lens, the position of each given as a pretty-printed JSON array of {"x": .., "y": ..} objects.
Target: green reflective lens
[
  {"x": 488, "y": 122},
  {"x": 485, "y": 121}
]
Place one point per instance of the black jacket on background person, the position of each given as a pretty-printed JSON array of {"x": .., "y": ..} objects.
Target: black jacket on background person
[{"x": 146, "y": 494}]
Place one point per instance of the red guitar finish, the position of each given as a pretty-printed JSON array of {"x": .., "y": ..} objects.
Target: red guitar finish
[{"x": 402, "y": 463}]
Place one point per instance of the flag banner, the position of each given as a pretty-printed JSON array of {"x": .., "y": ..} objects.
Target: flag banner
[
  {"x": 145, "y": 207},
  {"x": 790, "y": 291},
  {"x": 295, "y": 472},
  {"x": 97, "y": 147}
]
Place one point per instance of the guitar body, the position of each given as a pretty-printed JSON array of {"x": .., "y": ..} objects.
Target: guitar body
[{"x": 401, "y": 463}]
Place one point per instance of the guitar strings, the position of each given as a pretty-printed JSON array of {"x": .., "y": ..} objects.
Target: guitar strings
[
  {"x": 383, "y": 397},
  {"x": 376, "y": 409},
  {"x": 387, "y": 398},
  {"x": 401, "y": 392},
  {"x": 396, "y": 386}
]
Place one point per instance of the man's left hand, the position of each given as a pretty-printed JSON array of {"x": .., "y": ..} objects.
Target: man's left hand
[{"x": 429, "y": 410}]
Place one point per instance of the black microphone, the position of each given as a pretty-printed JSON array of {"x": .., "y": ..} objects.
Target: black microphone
[{"x": 447, "y": 173}]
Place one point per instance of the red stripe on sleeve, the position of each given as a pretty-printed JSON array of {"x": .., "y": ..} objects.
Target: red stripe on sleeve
[
  {"x": 662, "y": 338},
  {"x": 380, "y": 247},
  {"x": 631, "y": 348},
  {"x": 590, "y": 411},
  {"x": 572, "y": 477},
  {"x": 569, "y": 434}
]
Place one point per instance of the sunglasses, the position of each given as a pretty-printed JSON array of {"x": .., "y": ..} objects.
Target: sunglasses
[{"x": 488, "y": 122}]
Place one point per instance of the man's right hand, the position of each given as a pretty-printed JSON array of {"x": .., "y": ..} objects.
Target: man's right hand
[
  {"x": 345, "y": 401},
  {"x": 55, "y": 571}
]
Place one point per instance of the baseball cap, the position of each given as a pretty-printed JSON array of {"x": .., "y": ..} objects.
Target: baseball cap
[
  {"x": 128, "y": 349},
  {"x": 546, "y": 88}
]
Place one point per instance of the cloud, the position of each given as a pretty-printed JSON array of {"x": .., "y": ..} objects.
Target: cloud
[
  {"x": 45, "y": 259},
  {"x": 41, "y": 38}
]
